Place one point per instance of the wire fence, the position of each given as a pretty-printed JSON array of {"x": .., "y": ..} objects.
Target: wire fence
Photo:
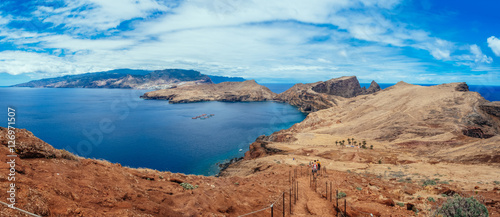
[
  {"x": 331, "y": 194},
  {"x": 21, "y": 210},
  {"x": 287, "y": 199},
  {"x": 324, "y": 186}
]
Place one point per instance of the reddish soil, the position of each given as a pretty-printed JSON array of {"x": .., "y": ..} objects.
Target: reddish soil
[{"x": 87, "y": 187}]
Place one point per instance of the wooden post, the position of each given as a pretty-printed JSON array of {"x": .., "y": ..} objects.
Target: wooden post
[
  {"x": 290, "y": 201},
  {"x": 290, "y": 177},
  {"x": 283, "y": 203},
  {"x": 272, "y": 210},
  {"x": 326, "y": 186},
  {"x": 345, "y": 206},
  {"x": 337, "y": 199},
  {"x": 331, "y": 190},
  {"x": 297, "y": 188}
]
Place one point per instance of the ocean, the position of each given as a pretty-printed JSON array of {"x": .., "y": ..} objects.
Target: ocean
[{"x": 118, "y": 126}]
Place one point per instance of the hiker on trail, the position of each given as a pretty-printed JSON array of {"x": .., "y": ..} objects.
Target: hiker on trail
[
  {"x": 319, "y": 165},
  {"x": 314, "y": 167}
]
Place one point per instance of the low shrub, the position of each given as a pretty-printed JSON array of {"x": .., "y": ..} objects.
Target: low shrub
[
  {"x": 188, "y": 186},
  {"x": 461, "y": 206},
  {"x": 341, "y": 195},
  {"x": 429, "y": 182}
]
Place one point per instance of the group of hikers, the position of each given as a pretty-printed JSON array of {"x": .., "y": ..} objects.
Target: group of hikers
[{"x": 316, "y": 166}]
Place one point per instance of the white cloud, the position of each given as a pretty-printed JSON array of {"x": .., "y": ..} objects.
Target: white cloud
[
  {"x": 494, "y": 44},
  {"x": 92, "y": 16},
  {"x": 72, "y": 44}
]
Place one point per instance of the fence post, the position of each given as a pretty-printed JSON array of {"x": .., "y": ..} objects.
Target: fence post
[
  {"x": 297, "y": 189},
  {"x": 290, "y": 201},
  {"x": 326, "y": 192},
  {"x": 294, "y": 194},
  {"x": 331, "y": 190},
  {"x": 272, "y": 209},
  {"x": 345, "y": 206},
  {"x": 337, "y": 199},
  {"x": 283, "y": 203},
  {"x": 290, "y": 177}
]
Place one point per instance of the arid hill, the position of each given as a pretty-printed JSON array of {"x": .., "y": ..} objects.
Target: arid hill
[
  {"x": 225, "y": 91},
  {"x": 324, "y": 94},
  {"x": 440, "y": 116},
  {"x": 444, "y": 135}
]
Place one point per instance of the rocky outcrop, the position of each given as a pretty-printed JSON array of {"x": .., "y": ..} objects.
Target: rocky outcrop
[
  {"x": 374, "y": 87},
  {"x": 29, "y": 146},
  {"x": 322, "y": 95},
  {"x": 492, "y": 108},
  {"x": 226, "y": 92},
  {"x": 462, "y": 87},
  {"x": 259, "y": 149}
]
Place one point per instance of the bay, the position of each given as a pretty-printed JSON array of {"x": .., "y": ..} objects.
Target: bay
[{"x": 118, "y": 126}]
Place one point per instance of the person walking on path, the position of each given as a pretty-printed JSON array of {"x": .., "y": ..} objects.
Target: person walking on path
[
  {"x": 319, "y": 165},
  {"x": 314, "y": 168}
]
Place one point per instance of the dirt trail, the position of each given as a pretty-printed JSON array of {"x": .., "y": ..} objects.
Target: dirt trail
[{"x": 310, "y": 203}]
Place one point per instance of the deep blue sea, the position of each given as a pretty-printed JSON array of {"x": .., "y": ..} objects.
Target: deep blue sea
[{"x": 118, "y": 126}]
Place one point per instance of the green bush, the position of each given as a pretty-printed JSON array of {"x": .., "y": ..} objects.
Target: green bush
[
  {"x": 400, "y": 204},
  {"x": 341, "y": 195},
  {"x": 431, "y": 199},
  {"x": 429, "y": 182},
  {"x": 462, "y": 207},
  {"x": 188, "y": 186},
  {"x": 496, "y": 182},
  {"x": 359, "y": 188}
]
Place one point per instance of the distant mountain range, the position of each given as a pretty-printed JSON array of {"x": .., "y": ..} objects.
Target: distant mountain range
[{"x": 130, "y": 78}]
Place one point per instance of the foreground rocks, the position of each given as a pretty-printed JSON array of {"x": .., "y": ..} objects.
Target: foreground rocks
[{"x": 227, "y": 92}]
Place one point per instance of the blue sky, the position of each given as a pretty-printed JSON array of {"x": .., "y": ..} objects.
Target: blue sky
[{"x": 271, "y": 41}]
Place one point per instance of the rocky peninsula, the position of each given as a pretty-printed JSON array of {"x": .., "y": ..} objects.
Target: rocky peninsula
[{"x": 226, "y": 92}]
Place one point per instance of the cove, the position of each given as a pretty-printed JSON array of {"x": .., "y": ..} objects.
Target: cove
[{"x": 117, "y": 126}]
